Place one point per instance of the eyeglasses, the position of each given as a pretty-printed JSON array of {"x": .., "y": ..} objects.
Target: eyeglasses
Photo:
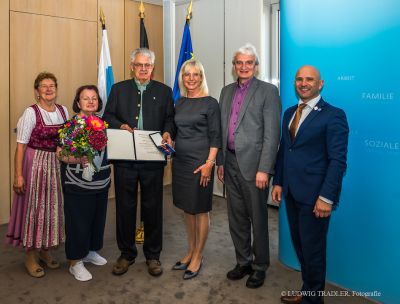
[
  {"x": 193, "y": 75},
  {"x": 246, "y": 63},
  {"x": 142, "y": 65},
  {"x": 48, "y": 87}
]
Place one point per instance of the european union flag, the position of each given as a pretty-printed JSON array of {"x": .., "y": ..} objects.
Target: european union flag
[{"x": 185, "y": 53}]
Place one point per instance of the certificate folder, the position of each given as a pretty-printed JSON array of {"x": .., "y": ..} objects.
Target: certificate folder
[{"x": 136, "y": 146}]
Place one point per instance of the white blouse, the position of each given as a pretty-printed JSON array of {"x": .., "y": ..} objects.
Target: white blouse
[{"x": 27, "y": 122}]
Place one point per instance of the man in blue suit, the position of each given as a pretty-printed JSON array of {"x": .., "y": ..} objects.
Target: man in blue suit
[{"x": 309, "y": 171}]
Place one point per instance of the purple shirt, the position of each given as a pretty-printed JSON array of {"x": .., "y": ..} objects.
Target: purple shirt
[{"x": 238, "y": 98}]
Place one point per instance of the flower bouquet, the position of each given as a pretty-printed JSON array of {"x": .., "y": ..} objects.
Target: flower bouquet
[{"x": 84, "y": 136}]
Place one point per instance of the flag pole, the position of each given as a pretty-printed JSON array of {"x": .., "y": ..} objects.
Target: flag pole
[
  {"x": 144, "y": 43},
  {"x": 141, "y": 10},
  {"x": 105, "y": 76},
  {"x": 102, "y": 19},
  {"x": 186, "y": 51},
  {"x": 143, "y": 40},
  {"x": 189, "y": 11}
]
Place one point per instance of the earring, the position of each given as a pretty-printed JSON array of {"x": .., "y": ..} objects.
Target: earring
[{"x": 38, "y": 97}]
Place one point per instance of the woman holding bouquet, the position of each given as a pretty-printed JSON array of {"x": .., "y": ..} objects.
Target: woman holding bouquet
[
  {"x": 83, "y": 142},
  {"x": 37, "y": 221}
]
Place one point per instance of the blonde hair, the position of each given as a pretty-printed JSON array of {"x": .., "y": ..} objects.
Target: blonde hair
[{"x": 185, "y": 67}]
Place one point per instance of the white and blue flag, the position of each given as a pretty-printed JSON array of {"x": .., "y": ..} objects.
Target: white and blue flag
[{"x": 105, "y": 78}]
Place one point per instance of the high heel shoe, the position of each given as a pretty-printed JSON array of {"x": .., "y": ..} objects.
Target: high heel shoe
[
  {"x": 180, "y": 266},
  {"x": 192, "y": 274}
]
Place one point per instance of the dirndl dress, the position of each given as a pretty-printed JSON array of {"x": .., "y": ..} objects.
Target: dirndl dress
[{"x": 37, "y": 216}]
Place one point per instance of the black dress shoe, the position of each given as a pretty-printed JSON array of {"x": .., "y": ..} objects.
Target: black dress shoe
[
  {"x": 180, "y": 266},
  {"x": 256, "y": 279},
  {"x": 191, "y": 274},
  {"x": 239, "y": 272}
]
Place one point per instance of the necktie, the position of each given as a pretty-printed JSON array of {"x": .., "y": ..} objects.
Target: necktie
[
  {"x": 296, "y": 120},
  {"x": 141, "y": 88}
]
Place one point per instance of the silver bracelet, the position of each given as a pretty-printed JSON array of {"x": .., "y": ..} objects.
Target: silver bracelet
[{"x": 211, "y": 161}]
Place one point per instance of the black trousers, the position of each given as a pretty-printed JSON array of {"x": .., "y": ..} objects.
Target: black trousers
[
  {"x": 309, "y": 236},
  {"x": 127, "y": 179},
  {"x": 85, "y": 218}
]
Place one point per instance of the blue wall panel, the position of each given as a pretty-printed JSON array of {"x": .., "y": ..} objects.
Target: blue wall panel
[{"x": 356, "y": 46}]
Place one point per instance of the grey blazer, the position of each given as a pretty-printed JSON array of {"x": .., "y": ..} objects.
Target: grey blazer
[{"x": 257, "y": 132}]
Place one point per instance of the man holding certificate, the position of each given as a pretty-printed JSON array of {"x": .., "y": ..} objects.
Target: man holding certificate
[{"x": 144, "y": 104}]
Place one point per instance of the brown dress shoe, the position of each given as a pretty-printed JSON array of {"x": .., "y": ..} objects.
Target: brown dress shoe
[
  {"x": 291, "y": 299},
  {"x": 121, "y": 266},
  {"x": 154, "y": 267}
]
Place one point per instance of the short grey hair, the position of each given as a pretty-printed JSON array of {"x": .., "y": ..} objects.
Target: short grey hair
[
  {"x": 145, "y": 52},
  {"x": 185, "y": 67},
  {"x": 247, "y": 49}
]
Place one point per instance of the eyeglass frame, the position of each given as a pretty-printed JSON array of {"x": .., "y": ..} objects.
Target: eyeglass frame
[{"x": 142, "y": 65}]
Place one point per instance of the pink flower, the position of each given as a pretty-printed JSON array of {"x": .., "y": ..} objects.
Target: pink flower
[{"x": 96, "y": 123}]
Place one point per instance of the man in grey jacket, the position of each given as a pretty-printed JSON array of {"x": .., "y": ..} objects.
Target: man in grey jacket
[{"x": 250, "y": 122}]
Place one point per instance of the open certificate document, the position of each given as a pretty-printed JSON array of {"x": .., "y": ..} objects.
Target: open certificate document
[{"x": 136, "y": 146}]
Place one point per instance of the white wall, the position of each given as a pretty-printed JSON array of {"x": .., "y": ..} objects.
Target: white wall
[{"x": 243, "y": 23}]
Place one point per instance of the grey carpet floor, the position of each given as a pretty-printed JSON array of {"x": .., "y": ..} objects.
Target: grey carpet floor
[{"x": 137, "y": 286}]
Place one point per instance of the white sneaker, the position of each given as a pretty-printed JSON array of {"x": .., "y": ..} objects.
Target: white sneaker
[
  {"x": 94, "y": 258},
  {"x": 80, "y": 272}
]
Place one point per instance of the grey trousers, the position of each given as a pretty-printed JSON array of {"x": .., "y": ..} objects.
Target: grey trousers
[{"x": 247, "y": 211}]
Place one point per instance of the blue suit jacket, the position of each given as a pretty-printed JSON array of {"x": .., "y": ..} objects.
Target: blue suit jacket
[{"x": 313, "y": 164}]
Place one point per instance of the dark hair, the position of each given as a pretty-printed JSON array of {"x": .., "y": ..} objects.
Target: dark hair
[
  {"x": 91, "y": 87},
  {"x": 42, "y": 76}
]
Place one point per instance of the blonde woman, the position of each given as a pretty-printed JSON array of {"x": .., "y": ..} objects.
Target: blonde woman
[{"x": 198, "y": 138}]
